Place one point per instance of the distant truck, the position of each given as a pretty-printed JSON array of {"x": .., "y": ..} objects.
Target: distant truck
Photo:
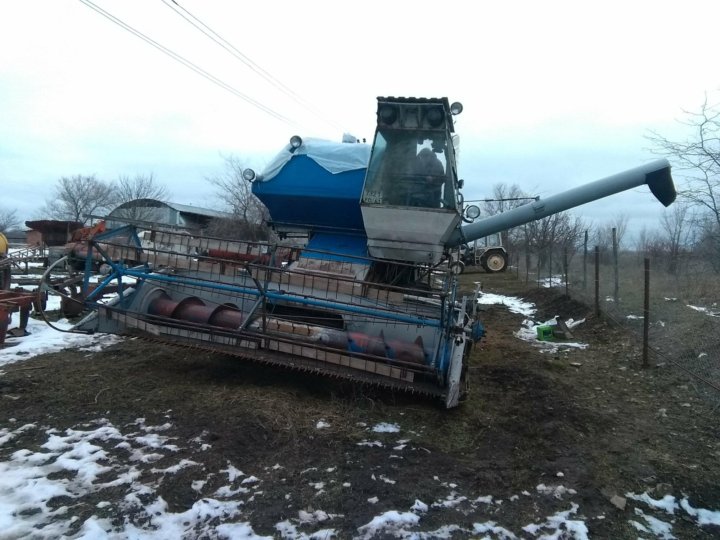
[{"x": 487, "y": 252}]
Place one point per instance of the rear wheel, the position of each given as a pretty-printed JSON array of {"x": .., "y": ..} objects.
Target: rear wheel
[{"x": 495, "y": 261}]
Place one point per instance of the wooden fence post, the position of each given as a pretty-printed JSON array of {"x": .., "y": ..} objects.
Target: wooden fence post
[
  {"x": 565, "y": 265},
  {"x": 615, "y": 264},
  {"x": 527, "y": 265},
  {"x": 597, "y": 281},
  {"x": 646, "y": 315},
  {"x": 585, "y": 258}
]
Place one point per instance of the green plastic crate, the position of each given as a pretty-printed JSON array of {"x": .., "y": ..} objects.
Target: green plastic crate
[{"x": 545, "y": 333}]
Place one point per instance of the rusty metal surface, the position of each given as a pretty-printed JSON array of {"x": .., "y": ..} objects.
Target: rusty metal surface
[
  {"x": 17, "y": 298},
  {"x": 11, "y": 302}
]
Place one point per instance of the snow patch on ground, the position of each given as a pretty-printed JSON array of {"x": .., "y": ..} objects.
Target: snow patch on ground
[
  {"x": 42, "y": 340},
  {"x": 515, "y": 305},
  {"x": 707, "y": 311},
  {"x": 529, "y": 332},
  {"x": 384, "y": 427}
]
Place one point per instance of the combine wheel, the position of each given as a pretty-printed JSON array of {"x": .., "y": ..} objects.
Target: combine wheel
[
  {"x": 457, "y": 267},
  {"x": 495, "y": 261},
  {"x": 66, "y": 297}
]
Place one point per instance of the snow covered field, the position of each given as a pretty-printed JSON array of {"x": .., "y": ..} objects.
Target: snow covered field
[{"x": 124, "y": 466}]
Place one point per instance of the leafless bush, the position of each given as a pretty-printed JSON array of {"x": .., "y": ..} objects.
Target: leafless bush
[{"x": 8, "y": 220}]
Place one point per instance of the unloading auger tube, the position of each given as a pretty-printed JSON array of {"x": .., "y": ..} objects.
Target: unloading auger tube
[{"x": 655, "y": 174}]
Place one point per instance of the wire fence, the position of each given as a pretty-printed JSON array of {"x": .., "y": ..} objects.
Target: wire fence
[{"x": 677, "y": 315}]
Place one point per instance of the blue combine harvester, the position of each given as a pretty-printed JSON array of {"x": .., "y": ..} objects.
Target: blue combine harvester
[{"x": 368, "y": 293}]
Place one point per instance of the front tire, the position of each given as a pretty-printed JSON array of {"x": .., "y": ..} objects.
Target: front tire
[{"x": 495, "y": 261}]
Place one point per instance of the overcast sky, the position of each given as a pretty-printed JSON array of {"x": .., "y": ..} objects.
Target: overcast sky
[{"x": 555, "y": 93}]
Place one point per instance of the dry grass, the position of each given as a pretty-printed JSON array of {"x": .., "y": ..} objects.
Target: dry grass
[{"x": 684, "y": 326}]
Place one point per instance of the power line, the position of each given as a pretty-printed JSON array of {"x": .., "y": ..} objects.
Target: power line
[
  {"x": 229, "y": 47},
  {"x": 508, "y": 199},
  {"x": 190, "y": 65}
]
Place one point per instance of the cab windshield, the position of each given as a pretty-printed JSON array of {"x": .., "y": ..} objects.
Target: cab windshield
[{"x": 410, "y": 168}]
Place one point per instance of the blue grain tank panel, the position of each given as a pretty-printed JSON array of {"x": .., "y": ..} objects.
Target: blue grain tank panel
[
  {"x": 303, "y": 193},
  {"x": 338, "y": 247}
]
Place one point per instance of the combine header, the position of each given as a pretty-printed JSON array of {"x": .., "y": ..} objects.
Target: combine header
[{"x": 366, "y": 295}]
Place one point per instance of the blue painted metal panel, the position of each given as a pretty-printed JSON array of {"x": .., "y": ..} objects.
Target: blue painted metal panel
[
  {"x": 282, "y": 296},
  {"x": 305, "y": 194},
  {"x": 344, "y": 247}
]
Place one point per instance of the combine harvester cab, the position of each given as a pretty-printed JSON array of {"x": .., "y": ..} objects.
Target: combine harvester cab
[{"x": 367, "y": 295}]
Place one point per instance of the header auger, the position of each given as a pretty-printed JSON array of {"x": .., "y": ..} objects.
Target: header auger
[{"x": 367, "y": 295}]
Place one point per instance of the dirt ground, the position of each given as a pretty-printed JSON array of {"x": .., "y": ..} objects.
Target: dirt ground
[{"x": 608, "y": 426}]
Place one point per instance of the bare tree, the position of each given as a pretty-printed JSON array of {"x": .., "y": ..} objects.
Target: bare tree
[
  {"x": 235, "y": 192},
  {"x": 78, "y": 197},
  {"x": 235, "y": 229},
  {"x": 698, "y": 157},
  {"x": 127, "y": 190},
  {"x": 8, "y": 220},
  {"x": 506, "y": 197},
  {"x": 602, "y": 234},
  {"x": 620, "y": 223},
  {"x": 645, "y": 238},
  {"x": 650, "y": 244},
  {"x": 676, "y": 226},
  {"x": 708, "y": 243},
  {"x": 601, "y": 237},
  {"x": 551, "y": 237}
]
